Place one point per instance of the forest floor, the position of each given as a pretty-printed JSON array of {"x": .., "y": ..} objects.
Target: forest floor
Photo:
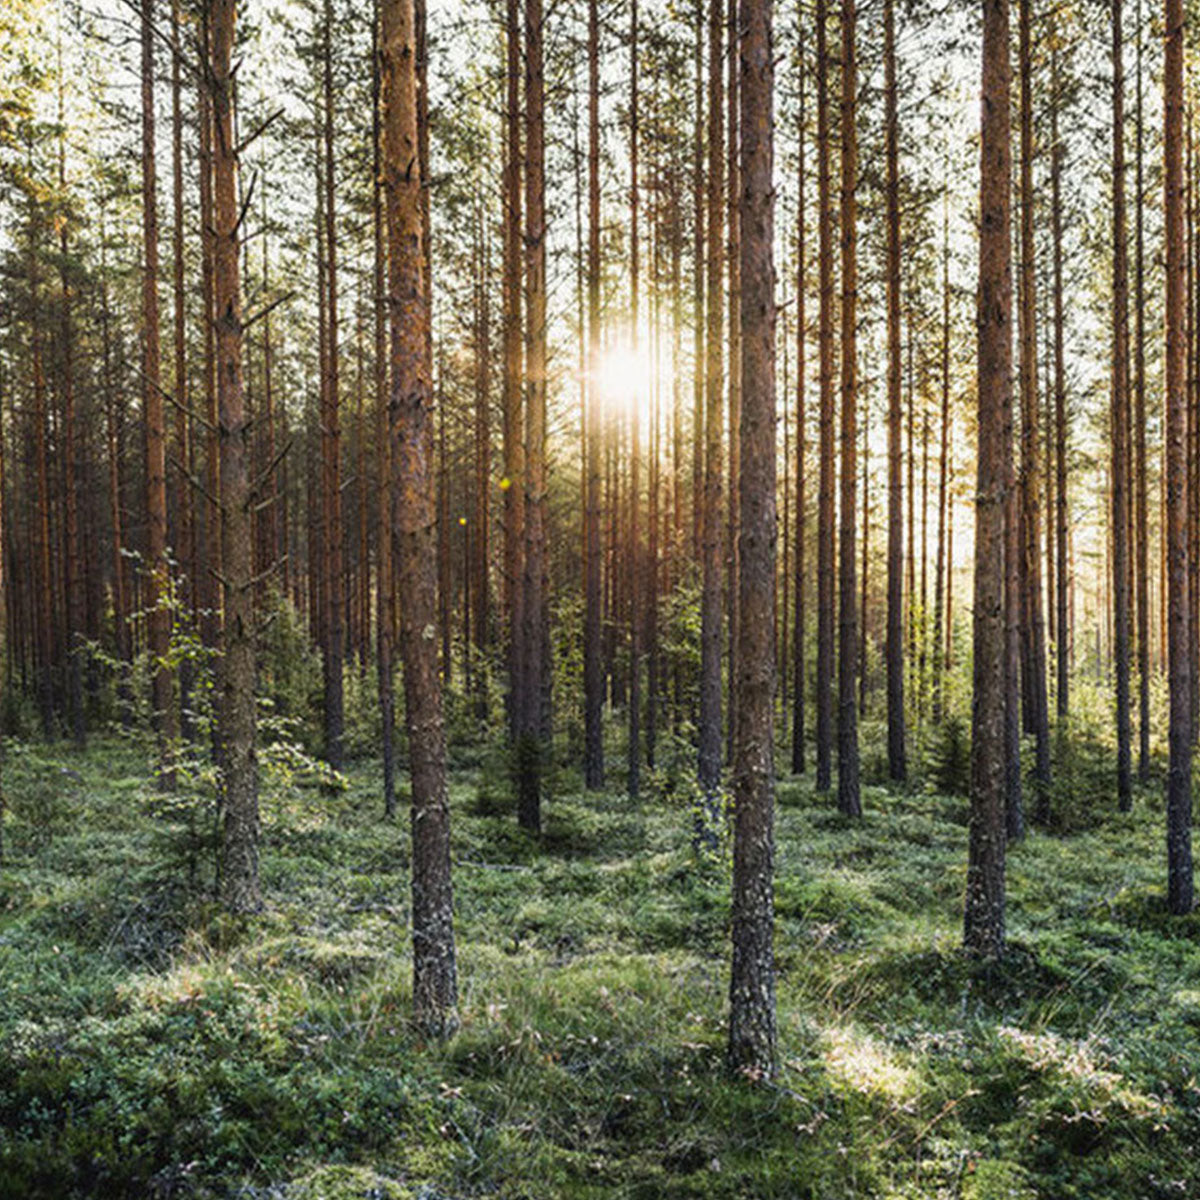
[{"x": 151, "y": 1047}]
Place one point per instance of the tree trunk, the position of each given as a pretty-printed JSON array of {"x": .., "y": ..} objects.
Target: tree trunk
[
  {"x": 239, "y": 877},
  {"x": 848, "y": 785},
  {"x": 1034, "y": 622},
  {"x": 752, "y": 1025},
  {"x": 1060, "y": 418},
  {"x": 410, "y": 408},
  {"x": 593, "y": 665},
  {"x": 710, "y": 612},
  {"x": 1119, "y": 422},
  {"x": 941, "y": 573},
  {"x": 531, "y": 748},
  {"x": 799, "y": 683},
  {"x": 633, "y": 784},
  {"x": 331, "y": 434},
  {"x": 1140, "y": 484},
  {"x": 158, "y": 577},
  {"x": 897, "y": 758},
  {"x": 983, "y": 923},
  {"x": 1179, "y": 796},
  {"x": 825, "y": 531},
  {"x": 385, "y": 612},
  {"x": 512, "y": 400}
]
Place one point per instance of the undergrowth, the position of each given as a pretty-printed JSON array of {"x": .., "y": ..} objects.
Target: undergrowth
[{"x": 150, "y": 1046}]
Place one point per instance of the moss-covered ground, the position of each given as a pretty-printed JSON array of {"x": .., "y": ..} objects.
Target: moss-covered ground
[{"x": 151, "y": 1047}]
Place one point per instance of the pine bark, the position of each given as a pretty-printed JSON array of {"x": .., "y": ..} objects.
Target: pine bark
[
  {"x": 158, "y": 579},
  {"x": 1031, "y": 576},
  {"x": 710, "y": 614},
  {"x": 983, "y": 923},
  {"x": 531, "y": 747},
  {"x": 897, "y": 759},
  {"x": 411, "y": 412},
  {"x": 1063, "y": 690},
  {"x": 825, "y": 530},
  {"x": 1119, "y": 423},
  {"x": 752, "y": 1025},
  {"x": 1140, "y": 483},
  {"x": 636, "y": 566},
  {"x": 1180, "y": 896},
  {"x": 849, "y": 800},
  {"x": 593, "y": 665},
  {"x": 239, "y": 766},
  {"x": 799, "y": 683}
]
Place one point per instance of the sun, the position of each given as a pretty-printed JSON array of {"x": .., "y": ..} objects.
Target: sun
[{"x": 622, "y": 377}]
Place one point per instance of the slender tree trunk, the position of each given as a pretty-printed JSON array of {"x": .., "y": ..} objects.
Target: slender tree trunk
[
  {"x": 385, "y": 614},
  {"x": 531, "y": 747},
  {"x": 183, "y": 396},
  {"x": 983, "y": 924},
  {"x": 1060, "y": 415},
  {"x": 799, "y": 683},
  {"x": 848, "y": 632},
  {"x": 1119, "y": 421},
  {"x": 1035, "y": 627},
  {"x": 435, "y": 990},
  {"x": 1179, "y": 796},
  {"x": 331, "y": 434},
  {"x": 897, "y": 758},
  {"x": 481, "y": 526},
  {"x": 636, "y": 565},
  {"x": 239, "y": 877},
  {"x": 512, "y": 400},
  {"x": 1140, "y": 484},
  {"x": 752, "y": 1025},
  {"x": 732, "y": 189},
  {"x": 158, "y": 577},
  {"x": 825, "y": 530},
  {"x": 593, "y": 665},
  {"x": 941, "y": 574},
  {"x": 699, "y": 359},
  {"x": 710, "y": 613}
]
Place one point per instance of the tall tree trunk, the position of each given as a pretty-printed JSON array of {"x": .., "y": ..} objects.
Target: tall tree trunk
[
  {"x": 732, "y": 188},
  {"x": 480, "y": 528},
  {"x": 1119, "y": 421},
  {"x": 435, "y": 992},
  {"x": 848, "y": 633},
  {"x": 752, "y": 1025},
  {"x": 385, "y": 611},
  {"x": 531, "y": 748},
  {"x": 825, "y": 531},
  {"x": 183, "y": 398},
  {"x": 1140, "y": 484},
  {"x": 983, "y": 923},
  {"x": 941, "y": 574},
  {"x": 799, "y": 683},
  {"x": 512, "y": 400},
  {"x": 158, "y": 578},
  {"x": 699, "y": 360},
  {"x": 239, "y": 877},
  {"x": 1179, "y": 794},
  {"x": 1035, "y": 627},
  {"x": 897, "y": 758},
  {"x": 710, "y": 611},
  {"x": 1060, "y": 415},
  {"x": 633, "y": 784},
  {"x": 331, "y": 434},
  {"x": 593, "y": 665}
]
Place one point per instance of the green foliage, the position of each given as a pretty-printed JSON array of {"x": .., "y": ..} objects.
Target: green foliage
[
  {"x": 950, "y": 758},
  {"x": 149, "y": 1046}
]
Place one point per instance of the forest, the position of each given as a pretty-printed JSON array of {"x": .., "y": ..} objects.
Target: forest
[{"x": 599, "y": 598}]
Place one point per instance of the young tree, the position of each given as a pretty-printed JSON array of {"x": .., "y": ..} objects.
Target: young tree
[
  {"x": 752, "y": 1027},
  {"x": 435, "y": 989},
  {"x": 983, "y": 922}
]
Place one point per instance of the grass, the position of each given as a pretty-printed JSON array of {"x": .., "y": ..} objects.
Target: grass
[{"x": 150, "y": 1046}]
